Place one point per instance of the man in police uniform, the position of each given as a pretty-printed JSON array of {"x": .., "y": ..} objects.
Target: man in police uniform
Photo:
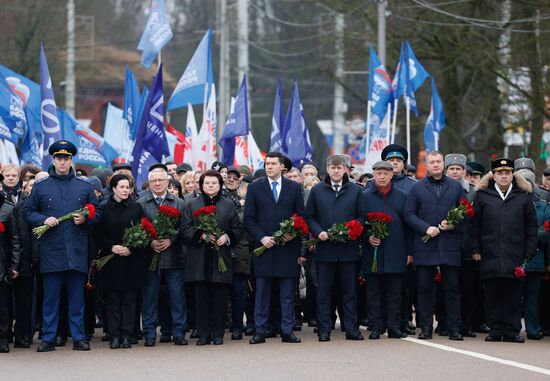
[
  {"x": 474, "y": 172},
  {"x": 64, "y": 247},
  {"x": 397, "y": 156}
]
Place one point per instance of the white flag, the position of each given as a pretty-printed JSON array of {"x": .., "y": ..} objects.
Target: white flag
[
  {"x": 190, "y": 150},
  {"x": 255, "y": 157},
  {"x": 207, "y": 136}
]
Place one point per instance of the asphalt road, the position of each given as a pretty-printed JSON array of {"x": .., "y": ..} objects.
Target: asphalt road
[{"x": 385, "y": 359}]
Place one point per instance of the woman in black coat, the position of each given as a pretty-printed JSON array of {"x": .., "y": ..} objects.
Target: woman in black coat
[
  {"x": 122, "y": 277},
  {"x": 212, "y": 287}
]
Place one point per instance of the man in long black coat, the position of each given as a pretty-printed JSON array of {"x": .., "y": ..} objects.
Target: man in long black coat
[
  {"x": 503, "y": 236},
  {"x": 269, "y": 201},
  {"x": 336, "y": 200}
]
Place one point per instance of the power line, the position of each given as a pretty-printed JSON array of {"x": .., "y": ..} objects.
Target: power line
[{"x": 286, "y": 22}]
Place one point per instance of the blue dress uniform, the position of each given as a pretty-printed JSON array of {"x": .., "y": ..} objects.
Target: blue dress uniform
[{"x": 63, "y": 249}]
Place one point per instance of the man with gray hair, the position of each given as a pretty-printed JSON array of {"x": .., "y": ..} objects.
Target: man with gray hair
[
  {"x": 171, "y": 252},
  {"x": 336, "y": 200}
]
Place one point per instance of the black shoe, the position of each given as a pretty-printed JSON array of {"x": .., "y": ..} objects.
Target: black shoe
[
  {"x": 469, "y": 334},
  {"x": 115, "y": 343},
  {"x": 257, "y": 339},
  {"x": 271, "y": 333},
  {"x": 426, "y": 334},
  {"x": 297, "y": 328},
  {"x": 513, "y": 339},
  {"x": 81, "y": 345},
  {"x": 312, "y": 323},
  {"x": 290, "y": 338},
  {"x": 21, "y": 343},
  {"x": 180, "y": 340},
  {"x": 126, "y": 343},
  {"x": 411, "y": 326},
  {"x": 364, "y": 322},
  {"x": 483, "y": 328},
  {"x": 217, "y": 340},
  {"x": 4, "y": 346},
  {"x": 149, "y": 342},
  {"x": 315, "y": 330},
  {"x": 203, "y": 341},
  {"x": 165, "y": 339},
  {"x": 443, "y": 332},
  {"x": 396, "y": 334},
  {"x": 249, "y": 331},
  {"x": 134, "y": 340},
  {"x": 106, "y": 337},
  {"x": 324, "y": 336},
  {"x": 236, "y": 336},
  {"x": 456, "y": 336},
  {"x": 374, "y": 335},
  {"x": 356, "y": 336},
  {"x": 406, "y": 329},
  {"x": 60, "y": 341},
  {"x": 535, "y": 337},
  {"x": 46, "y": 347},
  {"x": 493, "y": 338},
  {"x": 194, "y": 334},
  {"x": 139, "y": 335}
]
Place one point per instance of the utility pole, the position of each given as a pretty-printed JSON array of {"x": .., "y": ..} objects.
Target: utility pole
[
  {"x": 242, "y": 63},
  {"x": 224, "y": 68},
  {"x": 70, "y": 79},
  {"x": 382, "y": 31},
  {"x": 339, "y": 107}
]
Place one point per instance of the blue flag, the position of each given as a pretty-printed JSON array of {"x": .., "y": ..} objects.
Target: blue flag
[
  {"x": 408, "y": 77},
  {"x": 151, "y": 145},
  {"x": 157, "y": 33},
  {"x": 132, "y": 101},
  {"x": 12, "y": 112},
  {"x": 435, "y": 123},
  {"x": 415, "y": 76},
  {"x": 29, "y": 93},
  {"x": 92, "y": 149},
  {"x": 277, "y": 121},
  {"x": 139, "y": 113},
  {"x": 380, "y": 86},
  {"x": 236, "y": 125},
  {"x": 296, "y": 143},
  {"x": 48, "y": 111},
  {"x": 199, "y": 73}
]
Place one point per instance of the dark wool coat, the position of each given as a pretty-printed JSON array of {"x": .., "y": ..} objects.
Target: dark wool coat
[
  {"x": 325, "y": 208},
  {"x": 10, "y": 240},
  {"x": 202, "y": 259},
  {"x": 120, "y": 273},
  {"x": 423, "y": 209},
  {"x": 262, "y": 216},
  {"x": 392, "y": 253},
  {"x": 504, "y": 232},
  {"x": 174, "y": 256}
]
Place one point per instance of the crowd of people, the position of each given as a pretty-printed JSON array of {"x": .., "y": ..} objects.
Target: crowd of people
[{"x": 480, "y": 273}]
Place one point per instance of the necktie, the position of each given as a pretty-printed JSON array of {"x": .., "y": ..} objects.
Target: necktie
[
  {"x": 158, "y": 200},
  {"x": 336, "y": 187},
  {"x": 274, "y": 189}
]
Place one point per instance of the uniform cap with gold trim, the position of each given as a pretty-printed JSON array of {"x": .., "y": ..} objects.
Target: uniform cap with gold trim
[
  {"x": 62, "y": 147},
  {"x": 502, "y": 164}
]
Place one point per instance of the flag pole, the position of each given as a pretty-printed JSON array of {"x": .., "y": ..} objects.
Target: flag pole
[
  {"x": 394, "y": 121},
  {"x": 408, "y": 106},
  {"x": 367, "y": 140}
]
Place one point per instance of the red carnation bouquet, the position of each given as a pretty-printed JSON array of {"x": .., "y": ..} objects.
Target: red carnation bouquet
[
  {"x": 341, "y": 232},
  {"x": 136, "y": 236},
  {"x": 2, "y": 228},
  {"x": 209, "y": 225},
  {"x": 87, "y": 211},
  {"x": 165, "y": 224},
  {"x": 520, "y": 271},
  {"x": 544, "y": 228},
  {"x": 456, "y": 215},
  {"x": 378, "y": 222},
  {"x": 293, "y": 226}
]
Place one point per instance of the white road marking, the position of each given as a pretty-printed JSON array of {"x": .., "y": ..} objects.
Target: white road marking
[{"x": 482, "y": 356}]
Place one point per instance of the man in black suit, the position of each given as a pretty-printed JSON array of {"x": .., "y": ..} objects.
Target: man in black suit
[{"x": 269, "y": 201}]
